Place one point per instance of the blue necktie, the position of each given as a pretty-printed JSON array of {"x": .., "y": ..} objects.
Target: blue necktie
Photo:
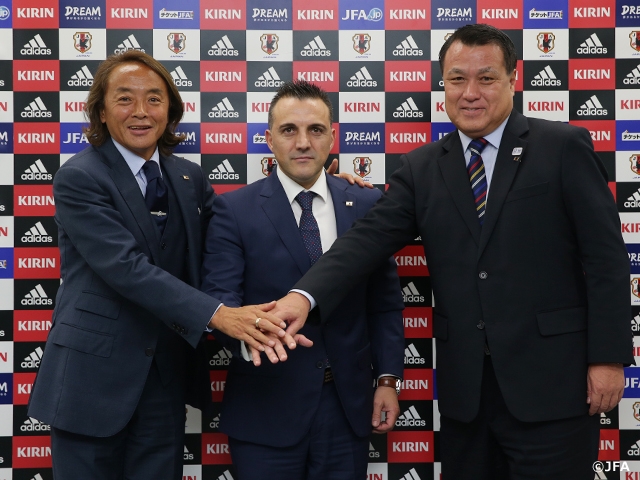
[
  {"x": 477, "y": 176},
  {"x": 156, "y": 197},
  {"x": 309, "y": 226}
]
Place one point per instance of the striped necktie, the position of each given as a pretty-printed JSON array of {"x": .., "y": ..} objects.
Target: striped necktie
[{"x": 478, "y": 177}]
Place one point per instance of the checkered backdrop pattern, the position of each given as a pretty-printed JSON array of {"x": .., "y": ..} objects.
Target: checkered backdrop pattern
[{"x": 579, "y": 62}]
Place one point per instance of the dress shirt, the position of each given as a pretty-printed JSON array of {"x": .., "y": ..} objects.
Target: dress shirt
[{"x": 135, "y": 163}]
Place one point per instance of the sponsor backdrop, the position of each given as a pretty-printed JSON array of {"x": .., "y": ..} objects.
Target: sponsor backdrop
[{"x": 579, "y": 62}]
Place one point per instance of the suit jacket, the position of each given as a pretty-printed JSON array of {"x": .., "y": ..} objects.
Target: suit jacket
[
  {"x": 254, "y": 253},
  {"x": 545, "y": 280},
  {"x": 114, "y": 301}
]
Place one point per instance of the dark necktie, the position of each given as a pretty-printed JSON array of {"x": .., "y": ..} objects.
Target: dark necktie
[
  {"x": 477, "y": 176},
  {"x": 309, "y": 227},
  {"x": 156, "y": 197}
]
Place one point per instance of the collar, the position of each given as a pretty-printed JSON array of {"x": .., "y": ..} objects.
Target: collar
[
  {"x": 292, "y": 189},
  {"x": 135, "y": 162},
  {"x": 493, "y": 138}
]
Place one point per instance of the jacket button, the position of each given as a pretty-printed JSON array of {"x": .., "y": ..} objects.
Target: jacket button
[
  {"x": 148, "y": 352},
  {"x": 163, "y": 245},
  {"x": 480, "y": 325},
  {"x": 320, "y": 364},
  {"x": 483, "y": 275}
]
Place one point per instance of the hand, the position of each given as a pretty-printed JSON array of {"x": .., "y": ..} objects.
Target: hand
[
  {"x": 333, "y": 168},
  {"x": 605, "y": 386},
  {"x": 278, "y": 352},
  {"x": 385, "y": 400},
  {"x": 240, "y": 323},
  {"x": 293, "y": 309}
]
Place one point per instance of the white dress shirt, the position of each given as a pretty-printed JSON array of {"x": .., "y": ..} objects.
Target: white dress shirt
[{"x": 135, "y": 163}]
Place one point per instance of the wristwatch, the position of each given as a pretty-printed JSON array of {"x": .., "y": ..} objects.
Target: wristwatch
[{"x": 393, "y": 382}]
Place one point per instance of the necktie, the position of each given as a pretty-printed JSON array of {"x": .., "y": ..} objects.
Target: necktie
[
  {"x": 309, "y": 227},
  {"x": 477, "y": 176},
  {"x": 156, "y": 197}
]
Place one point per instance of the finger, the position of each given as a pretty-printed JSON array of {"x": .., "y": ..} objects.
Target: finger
[
  {"x": 368, "y": 184},
  {"x": 375, "y": 417},
  {"x": 359, "y": 181},
  {"x": 302, "y": 340},
  {"x": 270, "y": 323},
  {"x": 271, "y": 355},
  {"x": 596, "y": 400},
  {"x": 280, "y": 352},
  {"x": 333, "y": 168},
  {"x": 289, "y": 341},
  {"x": 607, "y": 403},
  {"x": 255, "y": 356},
  {"x": 265, "y": 307},
  {"x": 294, "y": 327}
]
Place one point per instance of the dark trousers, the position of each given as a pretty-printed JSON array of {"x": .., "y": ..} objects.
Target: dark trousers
[
  {"x": 150, "y": 447},
  {"x": 330, "y": 451},
  {"x": 497, "y": 446}
]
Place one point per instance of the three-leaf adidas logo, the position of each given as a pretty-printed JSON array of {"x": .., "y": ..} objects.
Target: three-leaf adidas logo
[
  {"x": 222, "y": 358},
  {"x": 180, "y": 78},
  {"x": 37, "y": 296},
  {"x": 592, "y": 45},
  {"x": 35, "y": 46},
  {"x": 546, "y": 78},
  {"x": 33, "y": 425},
  {"x": 224, "y": 171},
  {"x": 36, "y": 109},
  {"x": 315, "y": 48},
  {"x": 592, "y": 107},
  {"x": 129, "y": 43},
  {"x": 411, "y": 294},
  {"x": 412, "y": 356},
  {"x": 408, "y": 47},
  {"x": 410, "y": 418},
  {"x": 37, "y": 171},
  {"x": 223, "y": 109},
  {"x": 269, "y": 79},
  {"x": 82, "y": 78},
  {"x": 362, "y": 78},
  {"x": 408, "y": 109},
  {"x": 36, "y": 234},
  {"x": 223, "y": 48},
  {"x": 33, "y": 359},
  {"x": 633, "y": 77}
]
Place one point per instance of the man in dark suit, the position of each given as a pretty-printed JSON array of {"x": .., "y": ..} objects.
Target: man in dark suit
[
  {"x": 529, "y": 271},
  {"x": 261, "y": 240},
  {"x": 121, "y": 359}
]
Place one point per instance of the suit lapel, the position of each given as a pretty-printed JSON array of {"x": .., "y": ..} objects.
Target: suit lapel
[
  {"x": 456, "y": 179},
  {"x": 277, "y": 208},
  {"x": 130, "y": 190},
  {"x": 345, "y": 216},
  {"x": 503, "y": 173}
]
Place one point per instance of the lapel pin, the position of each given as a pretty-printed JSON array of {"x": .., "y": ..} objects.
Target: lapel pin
[
  {"x": 516, "y": 152},
  {"x": 349, "y": 204},
  {"x": 186, "y": 177},
  {"x": 199, "y": 211}
]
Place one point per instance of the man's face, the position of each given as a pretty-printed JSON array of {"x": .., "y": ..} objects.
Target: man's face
[
  {"x": 478, "y": 90},
  {"x": 301, "y": 138},
  {"x": 136, "y": 108}
]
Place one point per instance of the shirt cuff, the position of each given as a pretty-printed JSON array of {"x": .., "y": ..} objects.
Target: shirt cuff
[
  {"x": 206, "y": 328},
  {"x": 307, "y": 296}
]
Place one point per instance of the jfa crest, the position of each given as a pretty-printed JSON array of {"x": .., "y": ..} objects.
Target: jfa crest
[
  {"x": 269, "y": 43},
  {"x": 361, "y": 42},
  {"x": 82, "y": 41},
  {"x": 635, "y": 163},
  {"x": 362, "y": 166},
  {"x": 177, "y": 42},
  {"x": 546, "y": 41},
  {"x": 267, "y": 165},
  {"x": 635, "y": 289},
  {"x": 636, "y": 411},
  {"x": 634, "y": 40}
]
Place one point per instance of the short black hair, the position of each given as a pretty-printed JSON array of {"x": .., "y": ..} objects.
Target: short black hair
[
  {"x": 481, "y": 34},
  {"x": 300, "y": 89}
]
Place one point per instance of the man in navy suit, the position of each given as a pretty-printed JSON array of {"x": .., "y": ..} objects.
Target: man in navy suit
[
  {"x": 122, "y": 356},
  {"x": 261, "y": 240}
]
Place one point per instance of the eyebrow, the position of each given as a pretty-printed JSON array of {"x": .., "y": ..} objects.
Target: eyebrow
[
  {"x": 126, "y": 89},
  {"x": 461, "y": 71}
]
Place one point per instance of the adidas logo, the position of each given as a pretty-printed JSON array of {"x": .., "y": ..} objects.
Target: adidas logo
[
  {"x": 224, "y": 171},
  {"x": 592, "y": 107},
  {"x": 600, "y": 476},
  {"x": 82, "y": 78},
  {"x": 36, "y": 234},
  {"x": 411, "y": 294},
  {"x": 372, "y": 451},
  {"x": 634, "y": 450},
  {"x": 546, "y": 78},
  {"x": 33, "y": 425},
  {"x": 411, "y": 355},
  {"x": 32, "y": 360},
  {"x": 315, "y": 48},
  {"x": 412, "y": 475},
  {"x": 37, "y": 477},
  {"x": 362, "y": 78},
  {"x": 222, "y": 358},
  {"x": 604, "y": 420},
  {"x": 633, "y": 77},
  {"x": 129, "y": 43},
  {"x": 633, "y": 201},
  {"x": 270, "y": 79},
  {"x": 224, "y": 109},
  {"x": 37, "y": 171},
  {"x": 180, "y": 78},
  {"x": 408, "y": 47},
  {"x": 187, "y": 455},
  {"x": 635, "y": 323},
  {"x": 36, "y": 46},
  {"x": 408, "y": 109},
  {"x": 223, "y": 48},
  {"x": 215, "y": 423},
  {"x": 410, "y": 418},
  {"x": 225, "y": 476},
  {"x": 37, "y": 295},
  {"x": 36, "y": 109},
  {"x": 592, "y": 45}
]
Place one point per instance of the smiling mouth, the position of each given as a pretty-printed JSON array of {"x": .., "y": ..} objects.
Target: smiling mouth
[{"x": 140, "y": 127}]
